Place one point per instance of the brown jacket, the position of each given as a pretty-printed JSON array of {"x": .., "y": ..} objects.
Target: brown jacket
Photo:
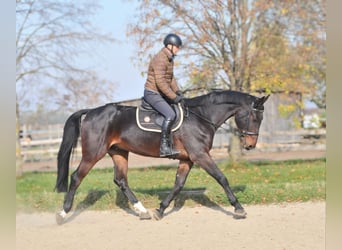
[{"x": 160, "y": 75}]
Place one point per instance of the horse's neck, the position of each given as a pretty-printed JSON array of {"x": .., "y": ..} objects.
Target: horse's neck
[
  {"x": 226, "y": 112},
  {"x": 218, "y": 106},
  {"x": 219, "y": 113}
]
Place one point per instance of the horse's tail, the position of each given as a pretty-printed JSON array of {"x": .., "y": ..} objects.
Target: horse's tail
[{"x": 69, "y": 141}]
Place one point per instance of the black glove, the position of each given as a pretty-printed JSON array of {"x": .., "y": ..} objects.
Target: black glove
[
  {"x": 178, "y": 99},
  {"x": 178, "y": 92}
]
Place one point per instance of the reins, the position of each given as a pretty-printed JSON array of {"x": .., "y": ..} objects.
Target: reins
[
  {"x": 201, "y": 117},
  {"x": 243, "y": 132}
]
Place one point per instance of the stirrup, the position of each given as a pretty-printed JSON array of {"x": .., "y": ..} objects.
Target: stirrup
[
  {"x": 166, "y": 150},
  {"x": 169, "y": 154}
]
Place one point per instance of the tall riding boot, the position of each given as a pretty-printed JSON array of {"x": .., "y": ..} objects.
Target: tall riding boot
[{"x": 165, "y": 142}]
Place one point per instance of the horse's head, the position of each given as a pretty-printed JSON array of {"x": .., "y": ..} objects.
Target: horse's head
[{"x": 248, "y": 120}]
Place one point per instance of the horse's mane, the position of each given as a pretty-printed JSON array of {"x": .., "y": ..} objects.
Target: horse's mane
[{"x": 220, "y": 97}]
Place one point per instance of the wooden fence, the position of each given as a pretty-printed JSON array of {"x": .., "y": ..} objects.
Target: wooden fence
[
  {"x": 43, "y": 144},
  {"x": 40, "y": 144}
]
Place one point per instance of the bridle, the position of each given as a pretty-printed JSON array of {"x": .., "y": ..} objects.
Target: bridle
[{"x": 244, "y": 132}]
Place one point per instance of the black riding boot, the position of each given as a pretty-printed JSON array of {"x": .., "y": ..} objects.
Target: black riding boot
[{"x": 165, "y": 142}]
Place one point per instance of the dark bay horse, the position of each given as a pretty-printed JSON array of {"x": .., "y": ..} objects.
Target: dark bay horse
[{"x": 112, "y": 129}]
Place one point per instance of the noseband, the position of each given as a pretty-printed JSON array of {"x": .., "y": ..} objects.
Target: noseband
[{"x": 244, "y": 132}]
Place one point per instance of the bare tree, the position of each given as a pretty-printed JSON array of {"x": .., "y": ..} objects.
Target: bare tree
[
  {"x": 226, "y": 40},
  {"x": 51, "y": 38},
  {"x": 216, "y": 32}
]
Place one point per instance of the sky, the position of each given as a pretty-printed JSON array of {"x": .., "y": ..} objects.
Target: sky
[{"x": 117, "y": 66}]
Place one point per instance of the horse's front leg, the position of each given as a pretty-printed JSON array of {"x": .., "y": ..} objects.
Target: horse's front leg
[
  {"x": 208, "y": 164},
  {"x": 120, "y": 159},
  {"x": 181, "y": 176}
]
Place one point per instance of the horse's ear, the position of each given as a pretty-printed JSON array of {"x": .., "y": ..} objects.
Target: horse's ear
[{"x": 260, "y": 101}]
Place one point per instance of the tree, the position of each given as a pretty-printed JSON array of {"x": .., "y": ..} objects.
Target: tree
[
  {"x": 214, "y": 31},
  {"x": 239, "y": 45},
  {"x": 51, "y": 38},
  {"x": 294, "y": 57}
]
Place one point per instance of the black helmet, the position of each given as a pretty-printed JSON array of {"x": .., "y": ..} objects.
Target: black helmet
[{"x": 172, "y": 39}]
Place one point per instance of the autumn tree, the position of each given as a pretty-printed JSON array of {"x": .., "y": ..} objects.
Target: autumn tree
[
  {"x": 293, "y": 58},
  {"x": 51, "y": 38},
  {"x": 215, "y": 33},
  {"x": 239, "y": 45}
]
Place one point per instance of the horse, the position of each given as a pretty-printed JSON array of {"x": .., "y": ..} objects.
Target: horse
[{"x": 112, "y": 129}]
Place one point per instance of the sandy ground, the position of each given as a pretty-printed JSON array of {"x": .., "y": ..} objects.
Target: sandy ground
[{"x": 281, "y": 226}]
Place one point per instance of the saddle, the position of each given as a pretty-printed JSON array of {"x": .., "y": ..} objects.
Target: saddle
[{"x": 149, "y": 119}]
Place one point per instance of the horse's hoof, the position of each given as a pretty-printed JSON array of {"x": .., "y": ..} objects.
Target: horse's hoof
[
  {"x": 157, "y": 215},
  {"x": 59, "y": 218},
  {"x": 240, "y": 214},
  {"x": 145, "y": 216}
]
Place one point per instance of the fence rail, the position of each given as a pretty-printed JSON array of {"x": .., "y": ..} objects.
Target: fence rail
[{"x": 41, "y": 145}]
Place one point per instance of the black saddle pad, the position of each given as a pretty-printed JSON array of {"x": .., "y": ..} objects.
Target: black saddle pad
[{"x": 149, "y": 119}]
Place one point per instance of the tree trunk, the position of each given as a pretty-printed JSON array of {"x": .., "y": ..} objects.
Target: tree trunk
[
  {"x": 234, "y": 148},
  {"x": 19, "y": 158}
]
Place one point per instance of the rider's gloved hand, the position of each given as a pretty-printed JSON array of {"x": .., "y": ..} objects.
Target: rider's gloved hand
[
  {"x": 178, "y": 99},
  {"x": 180, "y": 93}
]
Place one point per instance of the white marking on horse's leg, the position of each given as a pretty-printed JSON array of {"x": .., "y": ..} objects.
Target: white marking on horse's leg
[
  {"x": 60, "y": 217},
  {"x": 139, "y": 207},
  {"x": 62, "y": 213}
]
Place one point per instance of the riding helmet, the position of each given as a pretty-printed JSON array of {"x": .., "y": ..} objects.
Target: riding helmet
[{"x": 172, "y": 39}]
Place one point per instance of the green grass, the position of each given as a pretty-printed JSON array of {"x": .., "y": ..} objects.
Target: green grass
[{"x": 253, "y": 183}]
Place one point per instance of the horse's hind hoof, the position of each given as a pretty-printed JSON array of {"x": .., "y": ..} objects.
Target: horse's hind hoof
[
  {"x": 157, "y": 215},
  {"x": 145, "y": 216},
  {"x": 59, "y": 218},
  {"x": 240, "y": 214}
]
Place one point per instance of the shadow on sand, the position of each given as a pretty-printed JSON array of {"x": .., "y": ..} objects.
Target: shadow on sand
[{"x": 197, "y": 195}]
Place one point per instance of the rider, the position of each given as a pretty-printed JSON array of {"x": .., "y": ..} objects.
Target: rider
[{"x": 161, "y": 89}]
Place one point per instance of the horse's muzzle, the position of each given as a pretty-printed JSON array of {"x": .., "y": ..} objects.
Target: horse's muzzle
[
  {"x": 249, "y": 147},
  {"x": 249, "y": 142}
]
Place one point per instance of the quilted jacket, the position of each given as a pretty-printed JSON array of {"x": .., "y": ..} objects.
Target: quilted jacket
[{"x": 160, "y": 76}]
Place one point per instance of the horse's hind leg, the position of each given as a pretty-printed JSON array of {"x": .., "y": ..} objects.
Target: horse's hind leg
[
  {"x": 183, "y": 170},
  {"x": 75, "y": 181},
  {"x": 120, "y": 159}
]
